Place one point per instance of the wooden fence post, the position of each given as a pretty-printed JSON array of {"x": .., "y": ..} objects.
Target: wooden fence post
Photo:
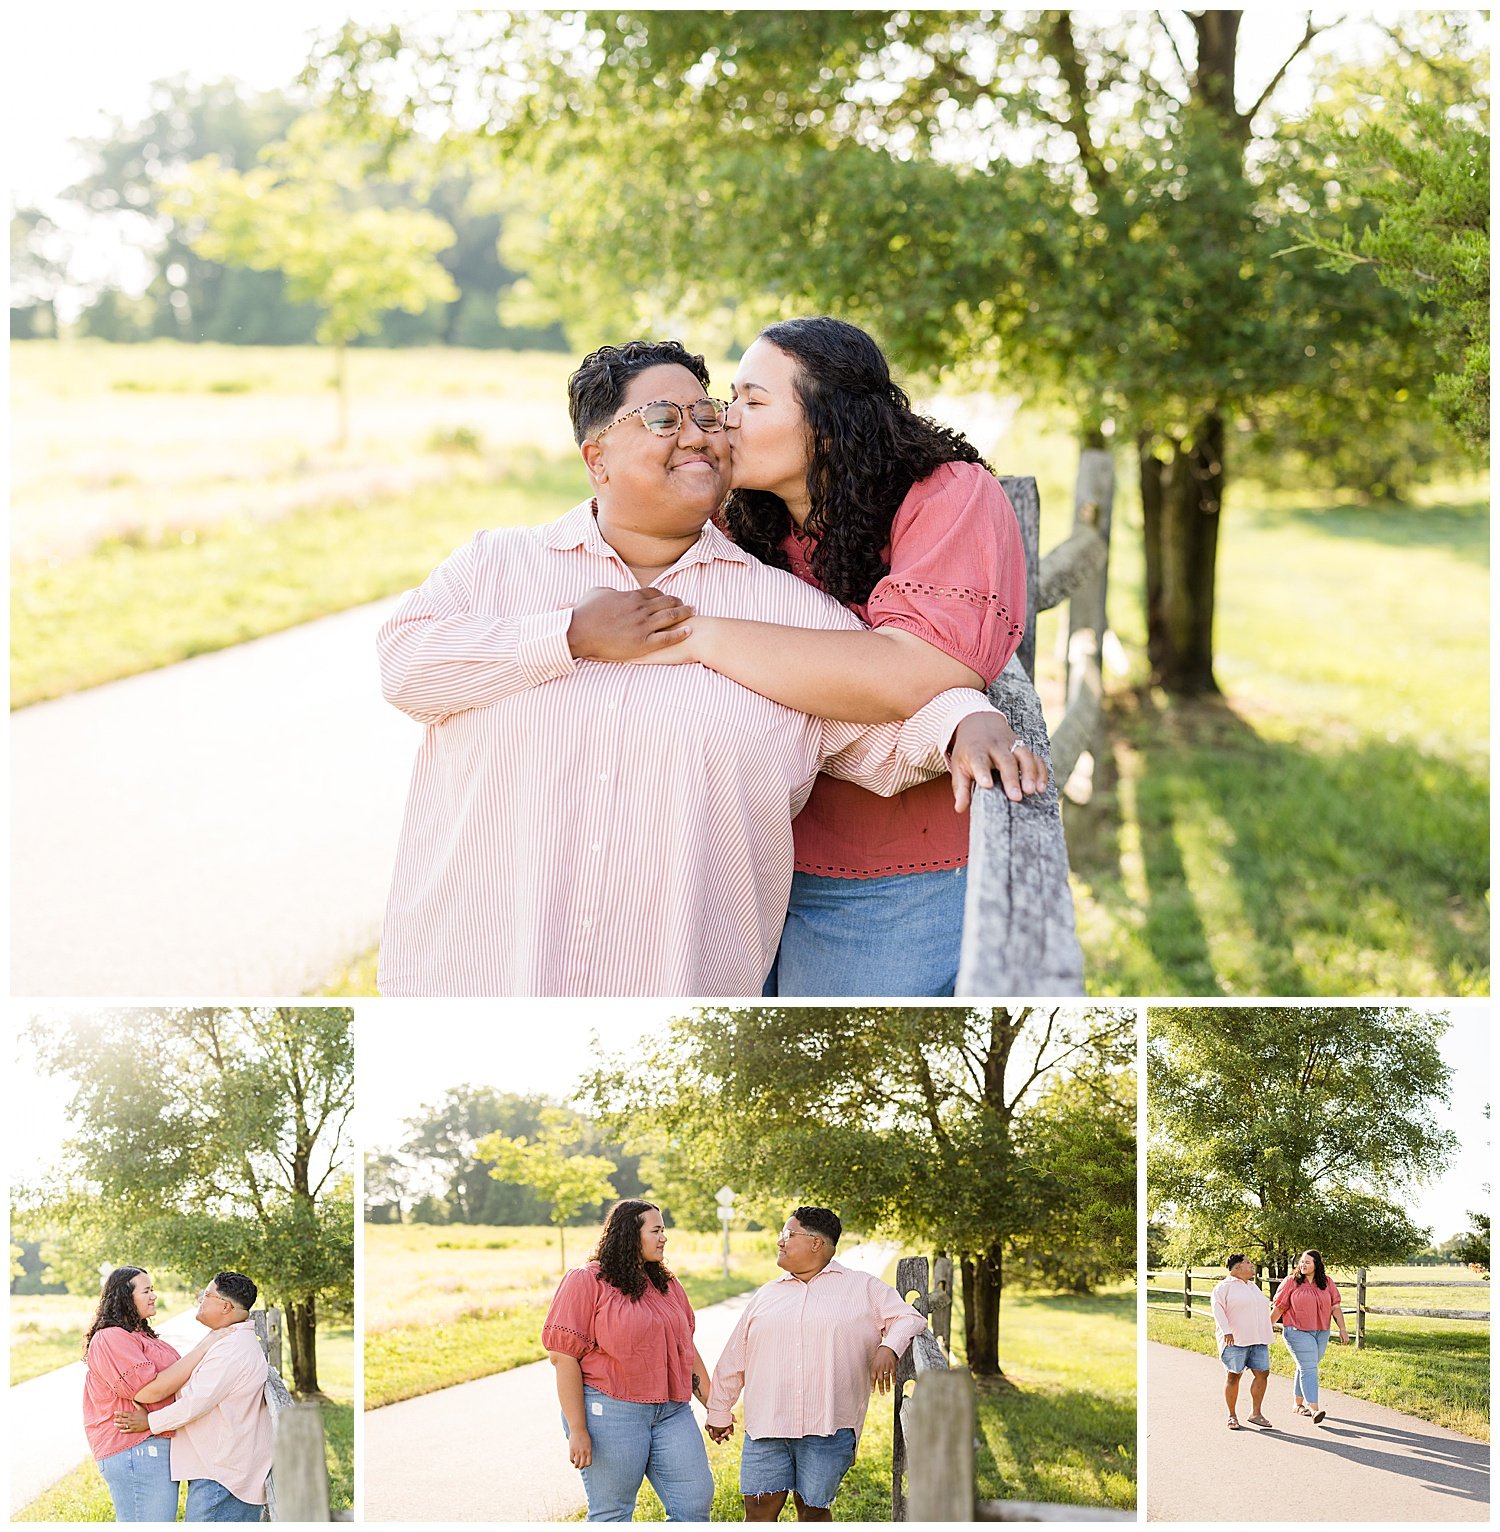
[
  {"x": 1359, "y": 1307},
  {"x": 940, "y": 1475},
  {"x": 301, "y": 1473},
  {"x": 911, "y": 1277},
  {"x": 267, "y": 1324},
  {"x": 941, "y": 1317},
  {"x": 1187, "y": 1294}
]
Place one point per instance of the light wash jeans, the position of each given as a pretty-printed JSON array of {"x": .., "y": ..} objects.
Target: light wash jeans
[
  {"x": 1307, "y": 1348},
  {"x": 208, "y": 1500},
  {"x": 871, "y": 936},
  {"x": 657, "y": 1442},
  {"x": 140, "y": 1481}
]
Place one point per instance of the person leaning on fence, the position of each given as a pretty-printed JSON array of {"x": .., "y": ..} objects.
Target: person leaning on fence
[
  {"x": 124, "y": 1356},
  {"x": 1242, "y": 1326},
  {"x": 620, "y": 1335},
  {"x": 806, "y": 1354},
  {"x": 577, "y": 826},
  {"x": 222, "y": 1429},
  {"x": 1307, "y": 1300}
]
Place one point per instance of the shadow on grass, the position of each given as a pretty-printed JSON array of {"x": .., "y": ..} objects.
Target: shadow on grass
[
  {"x": 1273, "y": 869},
  {"x": 1462, "y": 529}
]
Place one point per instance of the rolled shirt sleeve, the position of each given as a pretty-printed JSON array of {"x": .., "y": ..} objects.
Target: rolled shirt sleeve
[
  {"x": 212, "y": 1381},
  {"x": 887, "y": 758},
  {"x": 900, "y": 1322}
]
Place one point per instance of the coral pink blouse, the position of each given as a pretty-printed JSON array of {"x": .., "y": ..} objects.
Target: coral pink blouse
[
  {"x": 1309, "y": 1307},
  {"x": 639, "y": 1350},
  {"x": 958, "y": 581},
  {"x": 119, "y": 1364}
]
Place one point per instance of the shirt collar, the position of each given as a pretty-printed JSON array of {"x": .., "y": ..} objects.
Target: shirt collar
[
  {"x": 832, "y": 1266},
  {"x": 580, "y": 529}
]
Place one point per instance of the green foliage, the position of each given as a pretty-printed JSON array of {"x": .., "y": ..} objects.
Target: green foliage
[
  {"x": 1276, "y": 1129},
  {"x": 1473, "y": 1246},
  {"x": 207, "y": 1139}
]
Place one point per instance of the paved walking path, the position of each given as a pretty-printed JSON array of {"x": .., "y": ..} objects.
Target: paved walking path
[
  {"x": 493, "y": 1450},
  {"x": 1364, "y": 1463},
  {"x": 46, "y": 1420},
  {"x": 223, "y": 827}
]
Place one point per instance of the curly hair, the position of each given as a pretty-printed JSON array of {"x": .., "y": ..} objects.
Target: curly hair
[
  {"x": 619, "y": 1251},
  {"x": 866, "y": 448},
  {"x": 1320, "y": 1272},
  {"x": 117, "y": 1305},
  {"x": 597, "y": 387}
]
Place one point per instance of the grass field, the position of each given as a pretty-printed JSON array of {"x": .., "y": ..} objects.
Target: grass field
[
  {"x": 47, "y": 1329},
  {"x": 1435, "y": 1369},
  {"x": 82, "y": 1495},
  {"x": 482, "y": 1292},
  {"x": 1321, "y": 829}
]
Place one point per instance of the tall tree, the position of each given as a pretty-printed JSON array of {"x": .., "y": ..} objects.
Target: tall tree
[
  {"x": 1278, "y": 1128},
  {"x": 913, "y": 1119},
  {"x": 305, "y": 211},
  {"x": 209, "y": 1138},
  {"x": 552, "y": 1163},
  {"x": 1086, "y": 204}
]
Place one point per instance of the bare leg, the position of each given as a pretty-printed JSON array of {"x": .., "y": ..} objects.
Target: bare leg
[
  {"x": 1258, "y": 1382},
  {"x": 764, "y": 1507},
  {"x": 811, "y": 1512},
  {"x": 1231, "y": 1390}
]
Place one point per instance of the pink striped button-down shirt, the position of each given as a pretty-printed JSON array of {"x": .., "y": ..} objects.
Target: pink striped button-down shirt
[
  {"x": 587, "y": 828},
  {"x": 802, "y": 1353},
  {"x": 222, "y": 1425}
]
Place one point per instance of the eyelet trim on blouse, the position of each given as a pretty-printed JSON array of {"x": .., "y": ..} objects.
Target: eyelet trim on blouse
[
  {"x": 588, "y": 1340},
  {"x": 956, "y": 593},
  {"x": 837, "y": 871}
]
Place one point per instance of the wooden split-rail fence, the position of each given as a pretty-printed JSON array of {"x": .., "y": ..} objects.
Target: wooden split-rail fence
[
  {"x": 1361, "y": 1285},
  {"x": 1019, "y": 934},
  {"x": 936, "y": 1422},
  {"x": 297, "y": 1489}
]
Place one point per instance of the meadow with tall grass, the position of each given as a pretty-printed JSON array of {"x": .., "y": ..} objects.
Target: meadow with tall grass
[{"x": 1320, "y": 829}]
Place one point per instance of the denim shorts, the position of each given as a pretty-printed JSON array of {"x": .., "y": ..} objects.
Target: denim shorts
[
  {"x": 812, "y": 1466},
  {"x": 1256, "y": 1357}
]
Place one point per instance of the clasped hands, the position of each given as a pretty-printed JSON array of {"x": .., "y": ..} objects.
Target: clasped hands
[
  {"x": 646, "y": 625},
  {"x": 882, "y": 1381}
]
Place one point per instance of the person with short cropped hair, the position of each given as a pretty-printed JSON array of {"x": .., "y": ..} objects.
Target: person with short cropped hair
[
  {"x": 222, "y": 1429},
  {"x": 1242, "y": 1326},
  {"x": 806, "y": 1353}
]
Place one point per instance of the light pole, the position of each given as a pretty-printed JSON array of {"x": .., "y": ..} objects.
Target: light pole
[{"x": 725, "y": 1198}]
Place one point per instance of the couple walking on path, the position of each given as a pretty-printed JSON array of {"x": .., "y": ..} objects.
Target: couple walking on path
[{"x": 1244, "y": 1321}]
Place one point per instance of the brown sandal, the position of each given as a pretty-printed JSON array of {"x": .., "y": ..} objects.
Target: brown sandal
[
  {"x": 1234, "y": 1425},
  {"x": 1260, "y": 1420}
]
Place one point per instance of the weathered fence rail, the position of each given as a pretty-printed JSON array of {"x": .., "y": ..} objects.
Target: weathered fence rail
[
  {"x": 297, "y": 1489},
  {"x": 936, "y": 1422},
  {"x": 1361, "y": 1285},
  {"x": 1019, "y": 929}
]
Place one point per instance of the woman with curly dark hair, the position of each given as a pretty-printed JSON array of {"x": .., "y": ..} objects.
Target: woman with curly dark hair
[
  {"x": 1306, "y": 1301},
  {"x": 620, "y": 1334},
  {"x": 838, "y": 480},
  {"x": 122, "y": 1356}
]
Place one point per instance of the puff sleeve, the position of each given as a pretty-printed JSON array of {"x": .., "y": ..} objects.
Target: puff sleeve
[
  {"x": 116, "y": 1358},
  {"x": 958, "y": 569},
  {"x": 569, "y": 1325}
]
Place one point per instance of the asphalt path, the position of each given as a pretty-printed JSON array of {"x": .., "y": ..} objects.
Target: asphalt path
[
  {"x": 494, "y": 1450},
  {"x": 46, "y": 1419},
  {"x": 1364, "y": 1463},
  {"x": 222, "y": 827}
]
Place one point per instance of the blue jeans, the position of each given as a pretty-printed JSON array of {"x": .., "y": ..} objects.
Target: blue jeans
[
  {"x": 871, "y": 936},
  {"x": 1307, "y": 1348},
  {"x": 208, "y": 1500},
  {"x": 812, "y": 1467},
  {"x": 632, "y": 1442},
  {"x": 140, "y": 1481}
]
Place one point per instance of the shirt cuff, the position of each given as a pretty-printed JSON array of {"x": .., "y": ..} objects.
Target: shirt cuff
[
  {"x": 925, "y": 736},
  {"x": 720, "y": 1418},
  {"x": 542, "y": 652},
  {"x": 164, "y": 1419}
]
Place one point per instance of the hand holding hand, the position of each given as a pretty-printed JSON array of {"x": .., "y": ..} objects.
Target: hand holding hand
[
  {"x": 580, "y": 1449},
  {"x": 985, "y": 743},
  {"x": 883, "y": 1370},
  {"x": 133, "y": 1419},
  {"x": 626, "y": 624},
  {"x": 720, "y": 1433}
]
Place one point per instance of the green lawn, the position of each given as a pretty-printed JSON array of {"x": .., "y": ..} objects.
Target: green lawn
[
  {"x": 82, "y": 1495},
  {"x": 47, "y": 1329},
  {"x": 1435, "y": 1369}
]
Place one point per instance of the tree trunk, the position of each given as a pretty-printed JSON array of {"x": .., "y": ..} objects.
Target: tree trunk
[
  {"x": 1181, "y": 499},
  {"x": 302, "y": 1336},
  {"x": 982, "y": 1314}
]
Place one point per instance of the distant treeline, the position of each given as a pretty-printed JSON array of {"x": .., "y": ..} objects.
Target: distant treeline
[{"x": 192, "y": 299}]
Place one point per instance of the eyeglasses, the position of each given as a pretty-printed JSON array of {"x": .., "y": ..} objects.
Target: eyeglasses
[{"x": 662, "y": 417}]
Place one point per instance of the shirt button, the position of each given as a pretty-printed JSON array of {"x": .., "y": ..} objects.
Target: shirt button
[
  {"x": 585, "y": 923},
  {"x": 604, "y": 776},
  {"x": 597, "y": 846}
]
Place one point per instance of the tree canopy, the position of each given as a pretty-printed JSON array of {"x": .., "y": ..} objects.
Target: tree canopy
[
  {"x": 1273, "y": 1129},
  {"x": 207, "y": 1139}
]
